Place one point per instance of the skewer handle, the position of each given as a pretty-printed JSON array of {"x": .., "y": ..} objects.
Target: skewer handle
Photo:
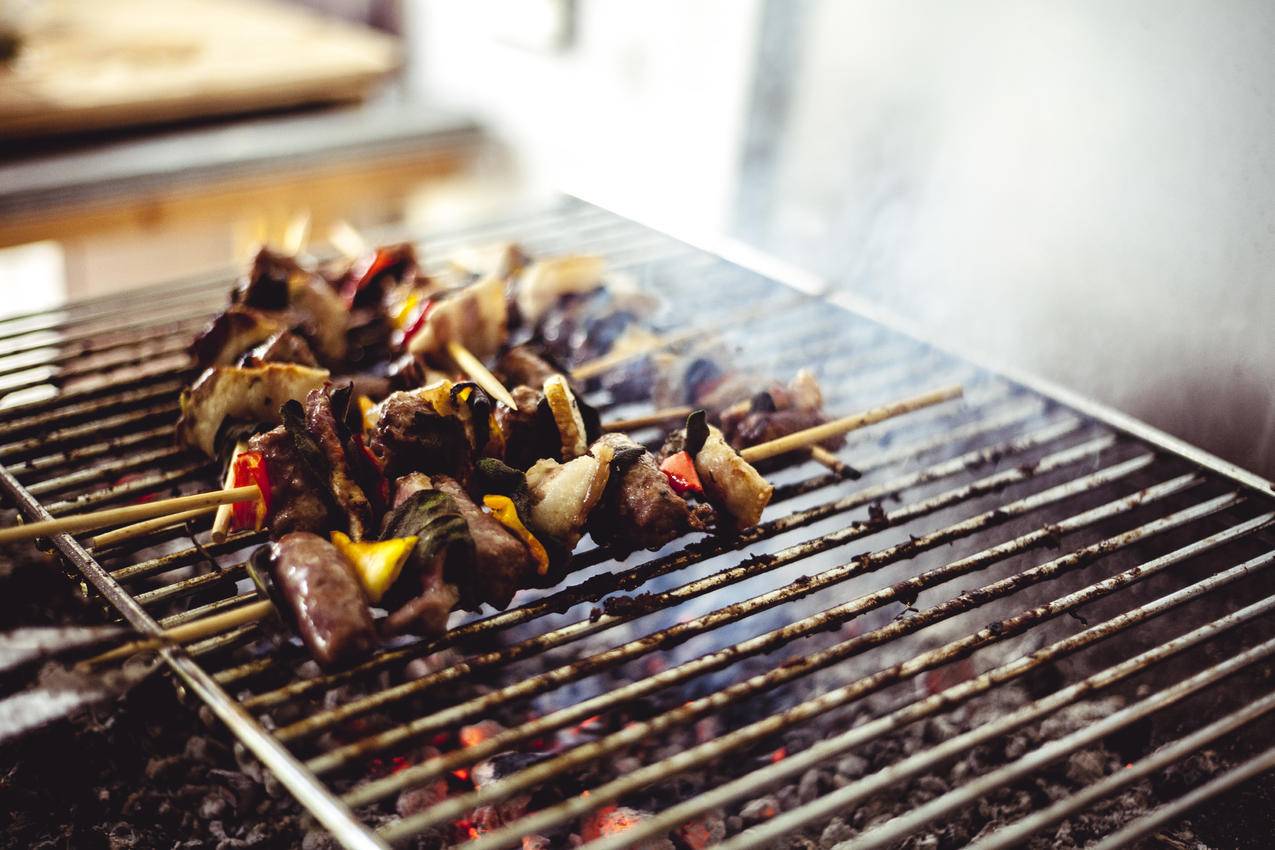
[
  {"x": 188, "y": 632},
  {"x": 221, "y": 522},
  {"x": 812, "y": 436},
  {"x": 474, "y": 368},
  {"x": 658, "y": 417},
  {"x": 137, "y": 529},
  {"x": 131, "y": 513}
]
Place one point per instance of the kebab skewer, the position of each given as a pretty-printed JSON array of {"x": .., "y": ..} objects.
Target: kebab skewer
[{"x": 563, "y": 504}]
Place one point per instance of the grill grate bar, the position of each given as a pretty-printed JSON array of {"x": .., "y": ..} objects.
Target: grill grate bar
[
  {"x": 758, "y": 566},
  {"x": 822, "y": 751},
  {"x": 899, "y": 827},
  {"x": 829, "y": 618},
  {"x": 1133, "y": 772},
  {"x": 88, "y": 394},
  {"x": 1170, "y": 812},
  {"x": 762, "y": 729},
  {"x": 650, "y": 570}
]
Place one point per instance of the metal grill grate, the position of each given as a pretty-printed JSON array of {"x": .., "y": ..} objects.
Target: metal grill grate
[{"x": 976, "y": 528}]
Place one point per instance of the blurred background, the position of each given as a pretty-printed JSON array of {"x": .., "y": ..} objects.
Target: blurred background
[{"x": 1081, "y": 190}]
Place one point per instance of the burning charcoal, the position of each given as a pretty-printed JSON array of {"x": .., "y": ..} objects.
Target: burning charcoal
[
  {"x": 704, "y": 831},
  {"x": 852, "y": 766},
  {"x": 501, "y": 765},
  {"x": 835, "y": 832},
  {"x": 761, "y": 809},
  {"x": 416, "y": 800},
  {"x": 1087, "y": 767},
  {"x": 535, "y": 842},
  {"x": 610, "y": 820},
  {"x": 808, "y": 788},
  {"x": 479, "y": 732}
]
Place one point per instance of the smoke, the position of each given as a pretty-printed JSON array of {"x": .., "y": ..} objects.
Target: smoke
[{"x": 1083, "y": 190}]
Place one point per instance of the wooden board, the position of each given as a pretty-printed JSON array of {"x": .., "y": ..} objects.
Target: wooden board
[{"x": 87, "y": 64}]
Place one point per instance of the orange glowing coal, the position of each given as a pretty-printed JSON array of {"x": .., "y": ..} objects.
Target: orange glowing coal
[
  {"x": 479, "y": 732},
  {"x": 779, "y": 755}
]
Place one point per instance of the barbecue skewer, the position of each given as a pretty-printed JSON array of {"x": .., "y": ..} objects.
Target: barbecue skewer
[
  {"x": 657, "y": 417},
  {"x": 221, "y": 523},
  {"x": 795, "y": 441},
  {"x": 352, "y": 244},
  {"x": 164, "y": 508},
  {"x": 137, "y": 529},
  {"x": 207, "y": 626}
]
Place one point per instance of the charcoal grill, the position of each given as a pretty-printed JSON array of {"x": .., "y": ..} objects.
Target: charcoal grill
[{"x": 1022, "y": 535}]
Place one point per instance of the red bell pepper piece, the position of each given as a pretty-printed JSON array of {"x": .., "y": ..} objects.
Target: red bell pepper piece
[
  {"x": 381, "y": 260},
  {"x": 250, "y": 468},
  {"x": 415, "y": 328},
  {"x": 680, "y": 470}
]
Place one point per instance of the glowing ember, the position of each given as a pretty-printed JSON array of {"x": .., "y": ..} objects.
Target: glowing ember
[
  {"x": 779, "y": 755},
  {"x": 612, "y": 819},
  {"x": 703, "y": 831},
  {"x": 535, "y": 842},
  {"x": 479, "y": 732},
  {"x": 462, "y": 774}
]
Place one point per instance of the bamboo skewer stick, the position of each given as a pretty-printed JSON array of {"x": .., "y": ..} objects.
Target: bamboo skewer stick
[
  {"x": 188, "y": 632},
  {"x": 137, "y": 529},
  {"x": 658, "y": 417},
  {"x": 221, "y": 523},
  {"x": 812, "y": 436},
  {"x": 829, "y": 459},
  {"x": 112, "y": 516},
  {"x": 296, "y": 233},
  {"x": 474, "y": 368},
  {"x": 347, "y": 240}
]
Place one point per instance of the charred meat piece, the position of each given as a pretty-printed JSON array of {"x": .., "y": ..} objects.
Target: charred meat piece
[
  {"x": 251, "y": 394},
  {"x": 421, "y": 600},
  {"x": 324, "y": 598},
  {"x": 476, "y": 316},
  {"x": 777, "y": 412},
  {"x": 530, "y": 432},
  {"x": 640, "y": 509},
  {"x": 265, "y": 286},
  {"x": 233, "y": 332},
  {"x": 541, "y": 285},
  {"x": 365, "y": 282},
  {"x": 411, "y": 436},
  {"x": 331, "y": 435},
  {"x": 502, "y": 565},
  {"x": 297, "y": 501},
  {"x": 283, "y": 347},
  {"x": 522, "y": 364}
]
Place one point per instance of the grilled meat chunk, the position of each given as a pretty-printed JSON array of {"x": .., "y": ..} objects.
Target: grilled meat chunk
[
  {"x": 423, "y": 598},
  {"x": 283, "y": 347},
  {"x": 324, "y": 598},
  {"x": 251, "y": 394},
  {"x": 476, "y": 316},
  {"x": 522, "y": 364},
  {"x": 776, "y": 412},
  {"x": 541, "y": 284},
  {"x": 331, "y": 435},
  {"x": 233, "y": 332},
  {"x": 502, "y": 565},
  {"x": 297, "y": 502},
  {"x": 296, "y": 299},
  {"x": 641, "y": 510},
  {"x": 411, "y": 436},
  {"x": 530, "y": 432}
]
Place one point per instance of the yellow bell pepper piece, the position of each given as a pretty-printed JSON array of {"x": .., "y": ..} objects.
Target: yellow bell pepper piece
[
  {"x": 365, "y": 409},
  {"x": 377, "y": 563},
  {"x": 405, "y": 311},
  {"x": 503, "y": 510}
]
